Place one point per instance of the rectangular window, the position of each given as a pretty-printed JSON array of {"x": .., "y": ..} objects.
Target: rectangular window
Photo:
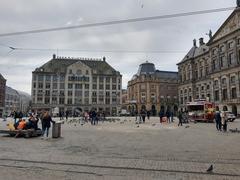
[
  {"x": 230, "y": 58},
  {"x": 40, "y": 85},
  {"x": 70, "y": 86},
  {"x": 107, "y": 87},
  {"x": 224, "y": 93},
  {"x": 101, "y": 86},
  {"x": 234, "y": 93},
  {"x": 61, "y": 101},
  {"x": 47, "y": 100},
  {"x": 47, "y": 93},
  {"x": 107, "y": 79},
  {"x": 101, "y": 79},
  {"x": 230, "y": 45},
  {"x": 39, "y": 99},
  {"x": 78, "y": 93},
  {"x": 69, "y": 93},
  {"x": 86, "y": 100},
  {"x": 69, "y": 101},
  {"x": 94, "y": 86},
  {"x": 86, "y": 86},
  {"x": 62, "y": 86},
  {"x": 54, "y": 100},
  {"x": 78, "y": 86},
  {"x": 48, "y": 78},
  {"x": 55, "y": 85},
  {"x": 40, "y": 77},
  {"x": 221, "y": 61},
  {"x": 95, "y": 79},
  {"x": 48, "y": 86},
  {"x": 86, "y": 93},
  {"x": 114, "y": 87},
  {"x": 114, "y": 80},
  {"x": 233, "y": 80}
]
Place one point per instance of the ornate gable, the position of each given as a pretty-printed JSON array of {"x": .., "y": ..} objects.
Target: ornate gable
[{"x": 230, "y": 25}]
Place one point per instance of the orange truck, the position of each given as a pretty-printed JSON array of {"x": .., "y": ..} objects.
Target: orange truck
[{"x": 201, "y": 110}]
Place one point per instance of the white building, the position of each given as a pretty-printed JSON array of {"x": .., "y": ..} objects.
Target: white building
[{"x": 74, "y": 84}]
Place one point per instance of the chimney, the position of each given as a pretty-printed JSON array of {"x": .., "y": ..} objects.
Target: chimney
[
  {"x": 201, "y": 42},
  {"x": 54, "y": 56},
  {"x": 104, "y": 59},
  {"x": 194, "y": 43}
]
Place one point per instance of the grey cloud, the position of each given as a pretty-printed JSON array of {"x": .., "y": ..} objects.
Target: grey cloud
[{"x": 169, "y": 34}]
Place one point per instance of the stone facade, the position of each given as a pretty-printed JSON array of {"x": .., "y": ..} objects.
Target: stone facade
[
  {"x": 212, "y": 71},
  {"x": 124, "y": 99},
  {"x": 2, "y": 94},
  {"x": 74, "y": 84},
  {"x": 152, "y": 90},
  {"x": 12, "y": 100}
]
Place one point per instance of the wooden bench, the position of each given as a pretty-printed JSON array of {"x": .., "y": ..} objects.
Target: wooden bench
[{"x": 25, "y": 133}]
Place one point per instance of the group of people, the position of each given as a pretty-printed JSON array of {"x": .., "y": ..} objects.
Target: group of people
[
  {"x": 32, "y": 123},
  {"x": 168, "y": 114},
  {"x": 141, "y": 117},
  {"x": 221, "y": 120}
]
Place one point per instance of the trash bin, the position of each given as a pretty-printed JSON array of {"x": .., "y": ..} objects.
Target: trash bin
[{"x": 56, "y": 130}]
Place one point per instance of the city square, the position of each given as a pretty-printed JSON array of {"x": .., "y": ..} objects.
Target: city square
[
  {"x": 122, "y": 150},
  {"x": 122, "y": 90}
]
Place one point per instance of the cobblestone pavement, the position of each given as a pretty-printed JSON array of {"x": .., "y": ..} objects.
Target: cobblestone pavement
[{"x": 122, "y": 150}]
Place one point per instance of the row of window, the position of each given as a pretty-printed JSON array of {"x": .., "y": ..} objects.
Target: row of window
[
  {"x": 223, "y": 47},
  {"x": 77, "y": 100},
  {"x": 107, "y": 79},
  {"x": 225, "y": 96}
]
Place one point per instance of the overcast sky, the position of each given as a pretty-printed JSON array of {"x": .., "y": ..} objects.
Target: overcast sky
[{"x": 174, "y": 34}]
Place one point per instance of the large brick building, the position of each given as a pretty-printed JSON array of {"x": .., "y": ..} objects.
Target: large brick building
[
  {"x": 2, "y": 94},
  {"x": 212, "y": 71},
  {"x": 152, "y": 90},
  {"x": 77, "y": 84}
]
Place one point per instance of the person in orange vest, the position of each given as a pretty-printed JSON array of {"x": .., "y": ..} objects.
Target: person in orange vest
[{"x": 21, "y": 124}]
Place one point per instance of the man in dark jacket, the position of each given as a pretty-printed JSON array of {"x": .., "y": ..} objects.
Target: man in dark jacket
[
  {"x": 218, "y": 121},
  {"x": 180, "y": 117},
  {"x": 46, "y": 123}
]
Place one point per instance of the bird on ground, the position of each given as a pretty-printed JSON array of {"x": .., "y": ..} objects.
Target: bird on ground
[
  {"x": 187, "y": 126},
  {"x": 210, "y": 169}
]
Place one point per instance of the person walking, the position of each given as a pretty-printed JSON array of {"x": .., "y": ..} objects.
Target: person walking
[
  {"x": 224, "y": 121},
  {"x": 218, "y": 121},
  {"x": 168, "y": 116},
  {"x": 161, "y": 115},
  {"x": 94, "y": 116},
  {"x": 143, "y": 114},
  {"x": 180, "y": 116},
  {"x": 46, "y": 123},
  {"x": 171, "y": 114},
  {"x": 148, "y": 115},
  {"x": 66, "y": 114}
]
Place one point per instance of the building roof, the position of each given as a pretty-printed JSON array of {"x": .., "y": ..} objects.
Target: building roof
[
  {"x": 146, "y": 68},
  {"x": 195, "y": 51},
  {"x": 149, "y": 69},
  {"x": 10, "y": 90},
  {"x": 60, "y": 64},
  {"x": 214, "y": 38},
  {"x": 1, "y": 77}
]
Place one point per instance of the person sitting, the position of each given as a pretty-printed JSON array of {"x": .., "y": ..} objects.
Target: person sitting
[
  {"x": 32, "y": 122},
  {"x": 21, "y": 126}
]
